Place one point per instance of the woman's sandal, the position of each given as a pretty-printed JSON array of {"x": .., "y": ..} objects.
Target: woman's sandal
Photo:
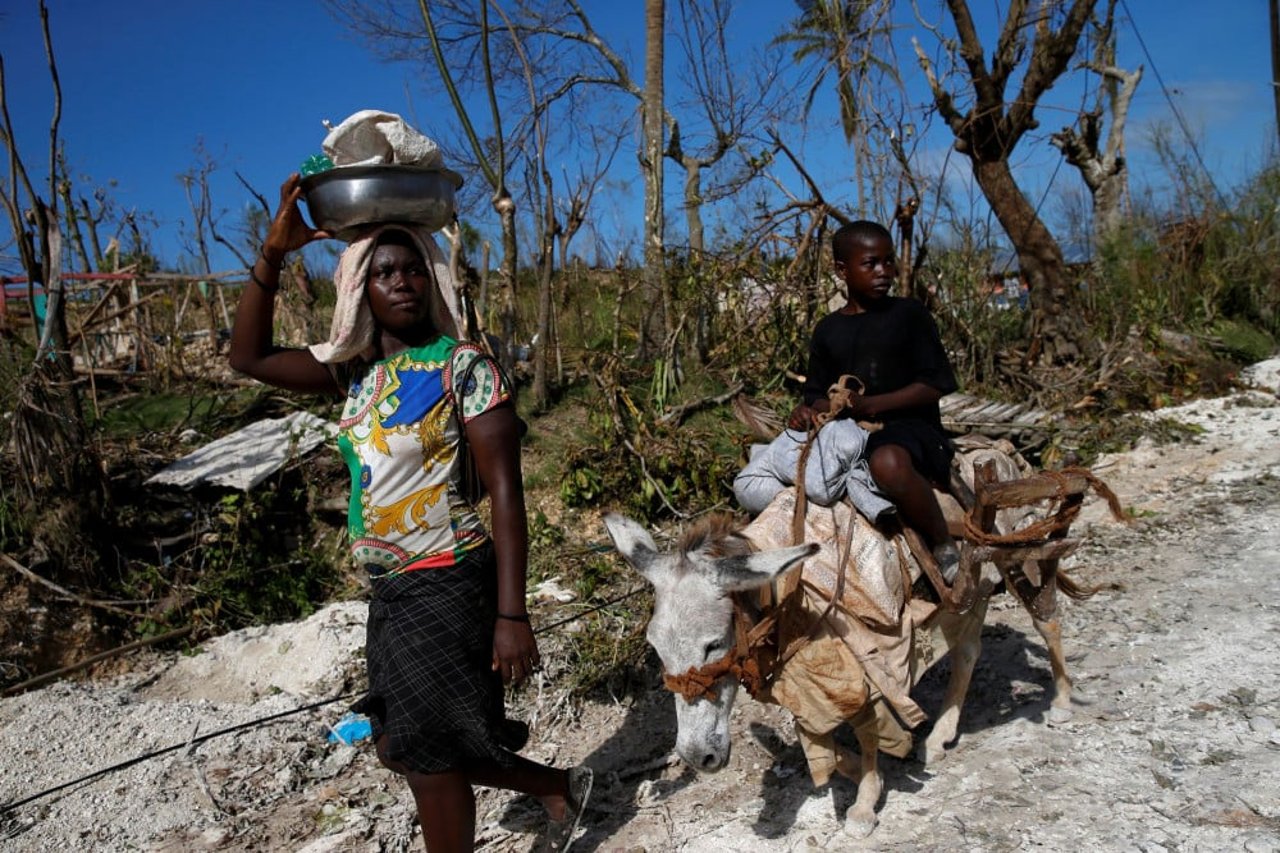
[{"x": 560, "y": 832}]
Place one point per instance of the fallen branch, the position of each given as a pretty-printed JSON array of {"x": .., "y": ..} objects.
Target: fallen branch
[
  {"x": 90, "y": 661},
  {"x": 677, "y": 415},
  {"x": 62, "y": 591},
  {"x": 657, "y": 487}
]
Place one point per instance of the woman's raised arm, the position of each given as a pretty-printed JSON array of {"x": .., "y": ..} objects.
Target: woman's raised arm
[{"x": 253, "y": 351}]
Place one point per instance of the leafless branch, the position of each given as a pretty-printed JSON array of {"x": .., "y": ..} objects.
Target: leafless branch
[
  {"x": 262, "y": 202},
  {"x": 815, "y": 193},
  {"x": 56, "y": 119}
]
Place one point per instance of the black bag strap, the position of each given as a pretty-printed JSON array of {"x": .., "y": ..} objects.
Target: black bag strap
[
  {"x": 503, "y": 382},
  {"x": 470, "y": 485},
  {"x": 469, "y": 374}
]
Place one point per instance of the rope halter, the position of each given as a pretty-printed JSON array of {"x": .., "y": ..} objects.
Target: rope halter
[{"x": 749, "y": 661}]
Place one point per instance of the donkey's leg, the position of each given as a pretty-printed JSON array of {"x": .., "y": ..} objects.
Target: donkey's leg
[
  {"x": 1051, "y": 632},
  {"x": 963, "y": 635},
  {"x": 862, "y": 818}
]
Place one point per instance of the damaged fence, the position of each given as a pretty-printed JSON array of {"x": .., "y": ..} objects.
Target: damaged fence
[{"x": 127, "y": 323}]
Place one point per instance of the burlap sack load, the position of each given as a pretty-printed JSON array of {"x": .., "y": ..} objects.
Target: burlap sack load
[{"x": 874, "y": 589}]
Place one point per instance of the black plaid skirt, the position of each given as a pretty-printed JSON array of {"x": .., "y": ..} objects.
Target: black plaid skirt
[{"x": 429, "y": 647}]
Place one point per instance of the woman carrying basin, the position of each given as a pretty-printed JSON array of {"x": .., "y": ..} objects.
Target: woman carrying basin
[{"x": 447, "y": 620}]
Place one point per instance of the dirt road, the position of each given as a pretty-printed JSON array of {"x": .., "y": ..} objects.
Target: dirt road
[{"x": 1174, "y": 743}]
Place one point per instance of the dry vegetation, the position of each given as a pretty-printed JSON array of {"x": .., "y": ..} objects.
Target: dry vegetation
[
  {"x": 656, "y": 440},
  {"x": 631, "y": 388}
]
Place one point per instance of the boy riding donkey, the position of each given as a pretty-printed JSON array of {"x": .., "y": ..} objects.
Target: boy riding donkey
[{"x": 891, "y": 346}]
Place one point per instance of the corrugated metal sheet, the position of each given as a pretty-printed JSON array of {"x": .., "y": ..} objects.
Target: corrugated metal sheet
[
  {"x": 248, "y": 456},
  {"x": 964, "y": 413}
]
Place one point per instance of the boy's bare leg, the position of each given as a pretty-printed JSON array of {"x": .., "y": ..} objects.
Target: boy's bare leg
[{"x": 912, "y": 493}]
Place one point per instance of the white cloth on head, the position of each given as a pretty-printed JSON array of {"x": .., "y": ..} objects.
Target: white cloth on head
[
  {"x": 351, "y": 332},
  {"x": 374, "y": 137}
]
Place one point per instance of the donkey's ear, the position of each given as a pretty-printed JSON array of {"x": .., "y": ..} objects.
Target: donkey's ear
[
  {"x": 633, "y": 542},
  {"x": 755, "y": 570}
]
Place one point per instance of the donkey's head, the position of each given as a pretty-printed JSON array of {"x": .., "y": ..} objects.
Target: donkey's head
[{"x": 692, "y": 624}]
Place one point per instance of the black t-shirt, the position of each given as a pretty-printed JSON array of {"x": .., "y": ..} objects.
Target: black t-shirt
[{"x": 888, "y": 347}]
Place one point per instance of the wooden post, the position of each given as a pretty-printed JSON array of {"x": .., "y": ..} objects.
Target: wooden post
[
  {"x": 905, "y": 216},
  {"x": 182, "y": 306},
  {"x": 983, "y": 516}
]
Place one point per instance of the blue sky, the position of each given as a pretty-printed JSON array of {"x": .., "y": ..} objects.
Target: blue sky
[{"x": 146, "y": 81}]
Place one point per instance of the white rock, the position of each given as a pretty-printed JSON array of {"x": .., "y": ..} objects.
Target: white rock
[{"x": 1262, "y": 725}]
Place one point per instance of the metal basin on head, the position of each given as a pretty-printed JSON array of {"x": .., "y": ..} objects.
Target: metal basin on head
[{"x": 346, "y": 199}]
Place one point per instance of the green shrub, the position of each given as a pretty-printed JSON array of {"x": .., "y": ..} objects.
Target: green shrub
[
  {"x": 1244, "y": 342},
  {"x": 655, "y": 477},
  {"x": 251, "y": 557},
  {"x": 608, "y": 653}
]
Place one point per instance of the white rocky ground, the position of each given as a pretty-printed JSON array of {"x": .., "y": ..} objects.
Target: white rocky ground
[{"x": 1174, "y": 744}]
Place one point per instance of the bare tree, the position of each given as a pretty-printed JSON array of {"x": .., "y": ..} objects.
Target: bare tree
[
  {"x": 50, "y": 435},
  {"x": 723, "y": 112},
  {"x": 493, "y": 163},
  {"x": 72, "y": 215},
  {"x": 655, "y": 262},
  {"x": 501, "y": 63},
  {"x": 457, "y": 37},
  {"x": 730, "y": 106},
  {"x": 204, "y": 228},
  {"x": 540, "y": 186},
  {"x": 576, "y": 70},
  {"x": 599, "y": 65},
  {"x": 86, "y": 221},
  {"x": 1102, "y": 164},
  {"x": 581, "y": 190},
  {"x": 992, "y": 126}
]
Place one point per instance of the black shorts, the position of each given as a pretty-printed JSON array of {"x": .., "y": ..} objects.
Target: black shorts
[
  {"x": 930, "y": 449},
  {"x": 432, "y": 687}
]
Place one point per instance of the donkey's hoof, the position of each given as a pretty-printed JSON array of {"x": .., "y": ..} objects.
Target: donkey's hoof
[
  {"x": 1060, "y": 716},
  {"x": 860, "y": 827},
  {"x": 931, "y": 754}
]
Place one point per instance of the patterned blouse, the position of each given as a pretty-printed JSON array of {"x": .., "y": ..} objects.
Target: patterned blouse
[{"x": 400, "y": 437}]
